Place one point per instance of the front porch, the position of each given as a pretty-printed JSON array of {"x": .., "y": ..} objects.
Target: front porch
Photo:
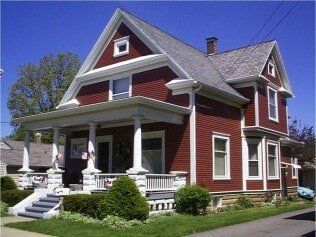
[{"x": 107, "y": 140}]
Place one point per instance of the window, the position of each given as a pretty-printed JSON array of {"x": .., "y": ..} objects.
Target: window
[
  {"x": 121, "y": 46},
  {"x": 221, "y": 157},
  {"x": 273, "y": 104},
  {"x": 294, "y": 170},
  {"x": 272, "y": 161},
  {"x": 78, "y": 148},
  {"x": 153, "y": 152},
  {"x": 271, "y": 69},
  {"x": 254, "y": 159},
  {"x": 120, "y": 88}
]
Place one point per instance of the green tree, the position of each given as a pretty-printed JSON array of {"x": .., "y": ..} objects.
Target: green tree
[
  {"x": 40, "y": 87},
  {"x": 304, "y": 134}
]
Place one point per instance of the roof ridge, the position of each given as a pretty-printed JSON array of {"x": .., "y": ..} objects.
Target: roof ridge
[
  {"x": 165, "y": 32},
  {"x": 249, "y": 45}
]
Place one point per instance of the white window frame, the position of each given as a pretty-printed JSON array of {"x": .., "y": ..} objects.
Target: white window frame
[
  {"x": 294, "y": 162},
  {"x": 157, "y": 134},
  {"x": 119, "y": 42},
  {"x": 277, "y": 163},
  {"x": 75, "y": 141},
  {"x": 129, "y": 87},
  {"x": 276, "y": 119},
  {"x": 273, "y": 68},
  {"x": 227, "y": 161},
  {"x": 109, "y": 139},
  {"x": 259, "y": 147}
]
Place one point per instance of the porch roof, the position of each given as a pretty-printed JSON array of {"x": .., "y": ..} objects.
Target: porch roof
[{"x": 117, "y": 110}]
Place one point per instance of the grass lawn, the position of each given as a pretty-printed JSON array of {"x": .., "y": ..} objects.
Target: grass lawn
[{"x": 178, "y": 225}]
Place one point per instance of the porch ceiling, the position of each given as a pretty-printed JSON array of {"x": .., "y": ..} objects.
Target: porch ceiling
[{"x": 110, "y": 111}]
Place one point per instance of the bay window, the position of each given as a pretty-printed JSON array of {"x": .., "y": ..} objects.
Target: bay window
[
  {"x": 254, "y": 159},
  {"x": 273, "y": 161},
  {"x": 221, "y": 157}
]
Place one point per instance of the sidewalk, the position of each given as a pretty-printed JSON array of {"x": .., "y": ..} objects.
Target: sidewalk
[{"x": 9, "y": 232}]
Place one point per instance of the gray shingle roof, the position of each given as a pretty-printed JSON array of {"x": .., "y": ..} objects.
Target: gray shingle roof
[
  {"x": 243, "y": 62},
  {"x": 194, "y": 62},
  {"x": 40, "y": 154}
]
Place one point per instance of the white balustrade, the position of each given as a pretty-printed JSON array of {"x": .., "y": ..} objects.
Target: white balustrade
[
  {"x": 160, "y": 182},
  {"x": 37, "y": 179},
  {"x": 105, "y": 181}
]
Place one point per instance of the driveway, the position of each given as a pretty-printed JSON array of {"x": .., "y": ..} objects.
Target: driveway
[{"x": 291, "y": 224}]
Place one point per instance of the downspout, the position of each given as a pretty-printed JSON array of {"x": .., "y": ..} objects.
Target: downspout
[{"x": 193, "y": 134}]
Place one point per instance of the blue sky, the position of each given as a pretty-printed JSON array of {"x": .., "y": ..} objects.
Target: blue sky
[{"x": 30, "y": 30}]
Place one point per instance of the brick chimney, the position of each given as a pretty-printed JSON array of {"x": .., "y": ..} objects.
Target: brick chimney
[
  {"x": 38, "y": 138},
  {"x": 211, "y": 45}
]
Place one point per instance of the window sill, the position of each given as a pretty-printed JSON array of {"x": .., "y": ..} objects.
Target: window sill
[
  {"x": 294, "y": 177},
  {"x": 273, "y": 120},
  {"x": 120, "y": 54},
  {"x": 221, "y": 178},
  {"x": 273, "y": 178},
  {"x": 254, "y": 179}
]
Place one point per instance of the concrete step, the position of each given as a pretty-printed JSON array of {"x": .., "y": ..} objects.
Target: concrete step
[
  {"x": 38, "y": 209},
  {"x": 49, "y": 199},
  {"x": 44, "y": 204},
  {"x": 52, "y": 196},
  {"x": 31, "y": 214}
]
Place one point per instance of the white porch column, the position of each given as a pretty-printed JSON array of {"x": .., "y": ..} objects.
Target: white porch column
[
  {"x": 137, "y": 172},
  {"x": 55, "y": 177},
  {"x": 89, "y": 179},
  {"x": 23, "y": 177}
]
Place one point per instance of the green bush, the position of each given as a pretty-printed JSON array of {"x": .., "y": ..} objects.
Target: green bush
[
  {"x": 7, "y": 183},
  {"x": 83, "y": 203},
  {"x": 192, "y": 199},
  {"x": 124, "y": 200},
  {"x": 3, "y": 208},
  {"x": 12, "y": 197},
  {"x": 243, "y": 202}
]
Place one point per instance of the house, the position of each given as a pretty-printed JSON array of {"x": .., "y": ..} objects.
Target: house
[
  {"x": 146, "y": 104},
  {"x": 12, "y": 157},
  {"x": 307, "y": 174}
]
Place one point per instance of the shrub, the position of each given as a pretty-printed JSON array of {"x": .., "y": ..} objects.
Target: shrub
[
  {"x": 12, "y": 197},
  {"x": 243, "y": 202},
  {"x": 294, "y": 198},
  {"x": 192, "y": 199},
  {"x": 280, "y": 202},
  {"x": 7, "y": 183},
  {"x": 124, "y": 200},
  {"x": 83, "y": 203},
  {"x": 3, "y": 208}
]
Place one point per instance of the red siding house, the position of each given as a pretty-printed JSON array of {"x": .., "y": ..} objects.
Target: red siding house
[{"x": 151, "y": 106}]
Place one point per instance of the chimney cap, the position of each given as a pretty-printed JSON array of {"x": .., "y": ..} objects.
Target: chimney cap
[{"x": 210, "y": 39}]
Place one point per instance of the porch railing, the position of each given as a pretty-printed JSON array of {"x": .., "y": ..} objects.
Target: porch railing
[
  {"x": 38, "y": 179},
  {"x": 105, "y": 181},
  {"x": 160, "y": 182}
]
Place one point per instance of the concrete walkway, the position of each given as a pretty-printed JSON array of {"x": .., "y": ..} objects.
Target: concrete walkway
[
  {"x": 291, "y": 224},
  {"x": 10, "y": 232}
]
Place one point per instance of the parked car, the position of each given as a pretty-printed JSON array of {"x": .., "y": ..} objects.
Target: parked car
[{"x": 306, "y": 193}]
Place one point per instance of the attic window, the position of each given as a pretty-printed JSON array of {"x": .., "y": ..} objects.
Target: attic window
[
  {"x": 121, "y": 46},
  {"x": 271, "y": 69}
]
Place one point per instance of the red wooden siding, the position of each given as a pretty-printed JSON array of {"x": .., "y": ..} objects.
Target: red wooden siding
[
  {"x": 136, "y": 48},
  {"x": 275, "y": 80},
  {"x": 213, "y": 116},
  {"x": 152, "y": 84},
  {"x": 264, "y": 120},
  {"x": 254, "y": 185},
  {"x": 286, "y": 157},
  {"x": 248, "y": 92},
  {"x": 93, "y": 93},
  {"x": 176, "y": 148}
]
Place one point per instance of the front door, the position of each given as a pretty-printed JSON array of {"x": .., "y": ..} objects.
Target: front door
[{"x": 104, "y": 154}]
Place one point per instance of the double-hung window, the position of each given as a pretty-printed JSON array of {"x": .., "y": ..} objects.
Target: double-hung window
[
  {"x": 273, "y": 104},
  {"x": 294, "y": 169},
  {"x": 221, "y": 157},
  {"x": 273, "y": 161},
  {"x": 254, "y": 159},
  {"x": 120, "y": 88}
]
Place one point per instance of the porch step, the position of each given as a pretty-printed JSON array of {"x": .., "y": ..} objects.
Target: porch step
[
  {"x": 31, "y": 214},
  {"x": 38, "y": 208}
]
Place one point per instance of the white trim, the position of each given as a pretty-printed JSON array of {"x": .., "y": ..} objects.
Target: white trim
[
  {"x": 109, "y": 139},
  {"x": 78, "y": 141},
  {"x": 259, "y": 161},
  {"x": 158, "y": 134},
  {"x": 276, "y": 119},
  {"x": 264, "y": 163},
  {"x": 272, "y": 73},
  {"x": 264, "y": 129},
  {"x": 277, "y": 159},
  {"x": 111, "y": 87},
  {"x": 256, "y": 95},
  {"x": 192, "y": 96},
  {"x": 117, "y": 43},
  {"x": 227, "y": 160},
  {"x": 294, "y": 162}
]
